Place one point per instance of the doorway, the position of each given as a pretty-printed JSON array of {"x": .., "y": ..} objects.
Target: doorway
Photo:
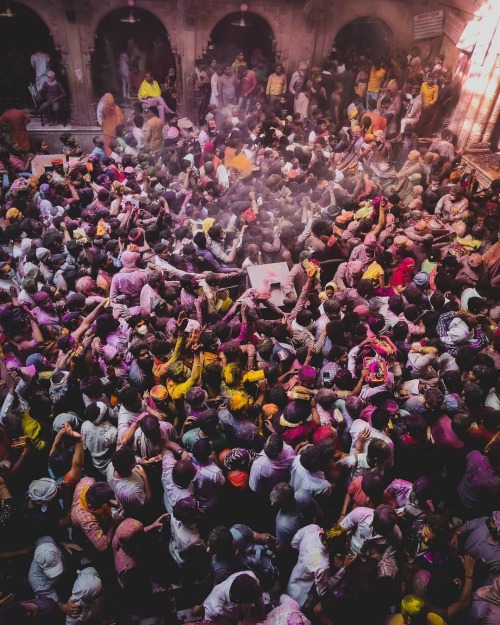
[
  {"x": 255, "y": 38},
  {"x": 140, "y": 46},
  {"x": 21, "y": 37},
  {"x": 369, "y": 36}
]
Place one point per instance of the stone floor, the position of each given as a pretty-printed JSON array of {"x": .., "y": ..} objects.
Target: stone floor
[{"x": 35, "y": 124}]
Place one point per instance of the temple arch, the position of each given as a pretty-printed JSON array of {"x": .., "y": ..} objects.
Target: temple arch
[
  {"x": 251, "y": 33},
  {"x": 16, "y": 71},
  {"x": 145, "y": 42},
  {"x": 371, "y": 33}
]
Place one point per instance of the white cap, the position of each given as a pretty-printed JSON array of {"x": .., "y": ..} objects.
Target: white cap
[
  {"x": 42, "y": 491},
  {"x": 48, "y": 557}
]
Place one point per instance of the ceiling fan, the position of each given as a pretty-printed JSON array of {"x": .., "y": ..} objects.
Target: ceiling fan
[
  {"x": 242, "y": 23},
  {"x": 131, "y": 18},
  {"x": 7, "y": 12}
]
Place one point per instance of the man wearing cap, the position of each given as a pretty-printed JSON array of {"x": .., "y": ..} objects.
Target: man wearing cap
[
  {"x": 452, "y": 206},
  {"x": 51, "y": 96},
  {"x": 45, "y": 574},
  {"x": 297, "y": 80},
  {"x": 366, "y": 251}
]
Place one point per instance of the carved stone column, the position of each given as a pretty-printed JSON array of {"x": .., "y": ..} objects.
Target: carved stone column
[
  {"x": 477, "y": 101},
  {"x": 187, "y": 14},
  {"x": 491, "y": 123},
  {"x": 79, "y": 79}
]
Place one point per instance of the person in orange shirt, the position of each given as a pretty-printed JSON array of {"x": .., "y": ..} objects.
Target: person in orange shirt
[{"x": 373, "y": 121}]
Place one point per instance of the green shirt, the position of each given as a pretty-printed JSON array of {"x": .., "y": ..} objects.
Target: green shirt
[{"x": 218, "y": 441}]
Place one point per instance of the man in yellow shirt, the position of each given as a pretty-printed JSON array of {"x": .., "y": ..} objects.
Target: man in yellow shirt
[
  {"x": 377, "y": 75},
  {"x": 276, "y": 85},
  {"x": 429, "y": 92},
  {"x": 238, "y": 62},
  {"x": 150, "y": 92}
]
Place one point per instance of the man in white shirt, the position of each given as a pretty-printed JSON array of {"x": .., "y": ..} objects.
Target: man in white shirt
[
  {"x": 186, "y": 545},
  {"x": 307, "y": 474},
  {"x": 313, "y": 565},
  {"x": 377, "y": 429},
  {"x": 128, "y": 480},
  {"x": 203, "y": 137},
  {"x": 177, "y": 480},
  {"x": 271, "y": 466},
  {"x": 414, "y": 109},
  {"x": 373, "y": 531},
  {"x": 40, "y": 62},
  {"x": 233, "y": 600}
]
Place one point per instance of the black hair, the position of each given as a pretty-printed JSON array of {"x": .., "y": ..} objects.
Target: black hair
[
  {"x": 60, "y": 462},
  {"x": 183, "y": 473},
  {"x": 273, "y": 446},
  {"x": 220, "y": 542},
  {"x": 380, "y": 419},
  {"x": 312, "y": 458},
  {"x": 202, "y": 450},
  {"x": 384, "y": 520},
  {"x": 244, "y": 589},
  {"x": 98, "y": 494},
  {"x": 123, "y": 460},
  {"x": 150, "y": 425},
  {"x": 378, "y": 451}
]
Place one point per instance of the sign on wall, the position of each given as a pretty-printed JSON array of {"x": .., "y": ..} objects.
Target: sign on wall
[{"x": 426, "y": 25}]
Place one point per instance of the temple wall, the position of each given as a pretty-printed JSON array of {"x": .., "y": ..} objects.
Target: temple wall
[{"x": 298, "y": 36}]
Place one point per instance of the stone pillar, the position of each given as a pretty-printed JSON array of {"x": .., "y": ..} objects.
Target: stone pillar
[
  {"x": 188, "y": 63},
  {"x": 77, "y": 65},
  {"x": 186, "y": 47},
  {"x": 479, "y": 92},
  {"x": 491, "y": 123},
  {"x": 485, "y": 109},
  {"x": 79, "y": 79}
]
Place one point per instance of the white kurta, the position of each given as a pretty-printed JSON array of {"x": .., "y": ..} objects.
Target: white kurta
[
  {"x": 315, "y": 483},
  {"x": 313, "y": 565},
  {"x": 218, "y": 605}
]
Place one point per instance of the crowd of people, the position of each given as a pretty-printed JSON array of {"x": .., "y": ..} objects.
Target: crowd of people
[{"x": 173, "y": 436}]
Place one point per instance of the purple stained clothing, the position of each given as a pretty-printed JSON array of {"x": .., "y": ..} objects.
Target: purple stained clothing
[
  {"x": 480, "y": 485},
  {"x": 400, "y": 491},
  {"x": 48, "y": 612},
  {"x": 267, "y": 472},
  {"x": 444, "y": 436},
  {"x": 128, "y": 282}
]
